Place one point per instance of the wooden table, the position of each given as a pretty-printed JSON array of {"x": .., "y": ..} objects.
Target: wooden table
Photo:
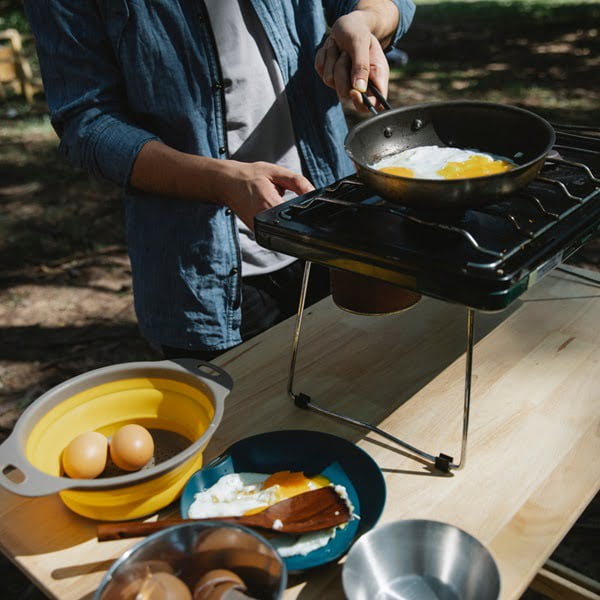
[{"x": 534, "y": 439}]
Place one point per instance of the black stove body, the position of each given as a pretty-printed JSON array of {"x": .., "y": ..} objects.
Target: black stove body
[{"x": 482, "y": 258}]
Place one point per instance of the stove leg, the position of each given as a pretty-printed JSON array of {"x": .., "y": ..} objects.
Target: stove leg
[
  {"x": 442, "y": 462},
  {"x": 467, "y": 399},
  {"x": 296, "y": 340}
]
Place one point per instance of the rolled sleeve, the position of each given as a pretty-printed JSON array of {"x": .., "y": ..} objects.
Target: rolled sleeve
[
  {"x": 84, "y": 88},
  {"x": 407, "y": 12},
  {"x": 108, "y": 147},
  {"x": 336, "y": 8}
]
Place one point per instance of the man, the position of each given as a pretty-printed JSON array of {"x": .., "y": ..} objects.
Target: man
[{"x": 208, "y": 113}]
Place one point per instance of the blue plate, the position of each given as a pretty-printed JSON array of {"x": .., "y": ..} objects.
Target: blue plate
[{"x": 312, "y": 452}]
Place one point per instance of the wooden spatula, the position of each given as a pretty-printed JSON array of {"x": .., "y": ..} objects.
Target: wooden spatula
[{"x": 318, "y": 509}]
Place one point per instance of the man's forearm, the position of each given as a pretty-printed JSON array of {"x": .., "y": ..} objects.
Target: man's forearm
[
  {"x": 383, "y": 18},
  {"x": 160, "y": 169}
]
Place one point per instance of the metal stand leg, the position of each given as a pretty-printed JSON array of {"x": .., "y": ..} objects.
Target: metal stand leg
[
  {"x": 467, "y": 399},
  {"x": 442, "y": 462},
  {"x": 296, "y": 340}
]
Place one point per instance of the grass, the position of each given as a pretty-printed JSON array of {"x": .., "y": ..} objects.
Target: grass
[{"x": 548, "y": 11}]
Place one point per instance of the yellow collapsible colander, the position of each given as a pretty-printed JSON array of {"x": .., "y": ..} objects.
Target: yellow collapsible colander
[{"x": 180, "y": 402}]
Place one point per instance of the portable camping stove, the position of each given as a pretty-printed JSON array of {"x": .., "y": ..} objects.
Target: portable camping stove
[{"x": 481, "y": 258}]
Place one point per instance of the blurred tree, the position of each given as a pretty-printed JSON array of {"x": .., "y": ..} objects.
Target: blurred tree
[{"x": 12, "y": 16}]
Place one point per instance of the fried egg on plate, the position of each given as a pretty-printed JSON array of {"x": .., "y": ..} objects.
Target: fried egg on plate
[
  {"x": 239, "y": 494},
  {"x": 438, "y": 162}
]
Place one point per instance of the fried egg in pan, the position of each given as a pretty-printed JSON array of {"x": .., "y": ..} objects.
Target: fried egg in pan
[{"x": 438, "y": 162}]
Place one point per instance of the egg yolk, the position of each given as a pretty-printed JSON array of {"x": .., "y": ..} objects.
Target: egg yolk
[
  {"x": 287, "y": 484},
  {"x": 401, "y": 171},
  {"x": 293, "y": 483},
  {"x": 474, "y": 166}
]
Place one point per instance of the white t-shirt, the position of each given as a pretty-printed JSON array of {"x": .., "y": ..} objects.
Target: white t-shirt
[{"x": 259, "y": 125}]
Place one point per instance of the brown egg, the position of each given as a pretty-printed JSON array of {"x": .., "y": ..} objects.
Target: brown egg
[
  {"x": 85, "y": 456},
  {"x": 214, "y": 584},
  {"x": 163, "y": 586},
  {"x": 227, "y": 538},
  {"x": 131, "y": 447},
  {"x": 127, "y": 584}
]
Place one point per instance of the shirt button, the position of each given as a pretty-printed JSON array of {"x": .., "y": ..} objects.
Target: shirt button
[
  {"x": 222, "y": 149},
  {"x": 218, "y": 85},
  {"x": 228, "y": 211},
  {"x": 234, "y": 271}
]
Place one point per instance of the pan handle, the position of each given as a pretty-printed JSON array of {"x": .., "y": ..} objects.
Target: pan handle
[
  {"x": 564, "y": 128},
  {"x": 375, "y": 90}
]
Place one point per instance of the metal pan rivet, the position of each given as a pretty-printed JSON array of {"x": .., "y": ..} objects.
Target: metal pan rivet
[
  {"x": 387, "y": 132},
  {"x": 417, "y": 124}
]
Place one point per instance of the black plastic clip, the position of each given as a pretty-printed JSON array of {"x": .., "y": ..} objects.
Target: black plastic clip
[
  {"x": 443, "y": 463},
  {"x": 302, "y": 401}
]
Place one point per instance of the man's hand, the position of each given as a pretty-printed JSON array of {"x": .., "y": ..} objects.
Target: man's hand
[
  {"x": 246, "y": 188},
  {"x": 250, "y": 188},
  {"x": 352, "y": 54}
]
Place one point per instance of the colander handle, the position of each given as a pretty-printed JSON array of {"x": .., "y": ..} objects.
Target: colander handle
[
  {"x": 34, "y": 481},
  {"x": 206, "y": 370}
]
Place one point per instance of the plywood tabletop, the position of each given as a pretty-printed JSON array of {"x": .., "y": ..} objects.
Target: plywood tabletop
[{"x": 534, "y": 437}]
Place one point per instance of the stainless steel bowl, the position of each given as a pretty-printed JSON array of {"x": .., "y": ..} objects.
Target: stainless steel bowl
[
  {"x": 420, "y": 560},
  {"x": 189, "y": 551}
]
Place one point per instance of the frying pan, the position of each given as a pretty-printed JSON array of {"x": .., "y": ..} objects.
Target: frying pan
[{"x": 498, "y": 129}]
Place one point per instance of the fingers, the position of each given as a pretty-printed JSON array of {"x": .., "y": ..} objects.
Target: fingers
[
  {"x": 379, "y": 69},
  {"x": 320, "y": 58},
  {"x": 266, "y": 188},
  {"x": 349, "y": 58},
  {"x": 342, "y": 76},
  {"x": 379, "y": 73},
  {"x": 325, "y": 61},
  {"x": 358, "y": 51},
  {"x": 288, "y": 180},
  {"x": 336, "y": 69},
  {"x": 256, "y": 196},
  {"x": 268, "y": 182},
  {"x": 352, "y": 35},
  {"x": 254, "y": 187},
  {"x": 266, "y": 195},
  {"x": 359, "y": 103}
]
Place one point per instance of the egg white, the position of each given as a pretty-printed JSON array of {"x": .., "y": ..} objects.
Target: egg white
[
  {"x": 232, "y": 496},
  {"x": 426, "y": 161},
  {"x": 235, "y": 494},
  {"x": 290, "y": 545}
]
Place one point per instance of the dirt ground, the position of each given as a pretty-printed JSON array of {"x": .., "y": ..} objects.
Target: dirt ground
[{"x": 66, "y": 302}]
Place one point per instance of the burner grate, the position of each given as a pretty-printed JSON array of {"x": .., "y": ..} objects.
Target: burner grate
[{"x": 562, "y": 188}]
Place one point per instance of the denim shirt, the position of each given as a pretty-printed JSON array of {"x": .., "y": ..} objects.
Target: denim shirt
[{"x": 118, "y": 73}]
